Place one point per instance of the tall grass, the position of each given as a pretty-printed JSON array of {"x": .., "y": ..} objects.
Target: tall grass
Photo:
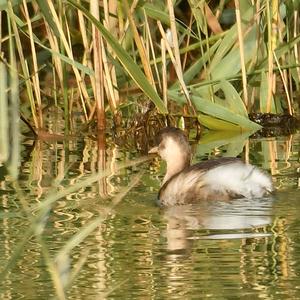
[{"x": 210, "y": 56}]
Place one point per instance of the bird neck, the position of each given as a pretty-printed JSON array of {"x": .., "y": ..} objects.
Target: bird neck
[{"x": 175, "y": 165}]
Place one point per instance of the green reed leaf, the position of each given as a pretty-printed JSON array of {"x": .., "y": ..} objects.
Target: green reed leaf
[
  {"x": 128, "y": 63},
  {"x": 218, "y": 112}
]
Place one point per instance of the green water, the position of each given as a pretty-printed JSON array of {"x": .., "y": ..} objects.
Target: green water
[{"x": 243, "y": 249}]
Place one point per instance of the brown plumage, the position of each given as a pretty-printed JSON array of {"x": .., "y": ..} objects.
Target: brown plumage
[{"x": 223, "y": 178}]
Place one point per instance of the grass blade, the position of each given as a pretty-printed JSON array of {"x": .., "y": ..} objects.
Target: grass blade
[
  {"x": 217, "y": 111},
  {"x": 131, "y": 67},
  {"x": 4, "y": 123}
]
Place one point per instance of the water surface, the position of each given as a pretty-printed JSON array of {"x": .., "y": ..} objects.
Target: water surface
[{"x": 241, "y": 249}]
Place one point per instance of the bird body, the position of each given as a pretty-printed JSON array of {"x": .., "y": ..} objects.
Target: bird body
[{"x": 223, "y": 179}]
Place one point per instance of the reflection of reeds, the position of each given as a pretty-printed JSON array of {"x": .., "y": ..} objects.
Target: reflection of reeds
[
  {"x": 70, "y": 183},
  {"x": 59, "y": 266},
  {"x": 102, "y": 164}
]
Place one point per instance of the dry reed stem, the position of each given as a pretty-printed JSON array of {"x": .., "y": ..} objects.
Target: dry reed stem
[
  {"x": 258, "y": 43},
  {"x": 87, "y": 53},
  {"x": 289, "y": 103},
  {"x": 23, "y": 65},
  {"x": 206, "y": 66},
  {"x": 56, "y": 60},
  {"x": 1, "y": 32},
  {"x": 4, "y": 121},
  {"x": 120, "y": 16},
  {"x": 110, "y": 23},
  {"x": 187, "y": 43},
  {"x": 80, "y": 82},
  {"x": 30, "y": 95},
  {"x": 98, "y": 67},
  {"x": 242, "y": 55},
  {"x": 180, "y": 78},
  {"x": 35, "y": 76},
  {"x": 175, "y": 47},
  {"x": 164, "y": 72},
  {"x": 55, "y": 88},
  {"x": 83, "y": 30},
  {"x": 296, "y": 46},
  {"x": 108, "y": 84},
  {"x": 71, "y": 102},
  {"x": 257, "y": 18},
  {"x": 152, "y": 50},
  {"x": 271, "y": 80},
  {"x": 125, "y": 25},
  {"x": 140, "y": 46},
  {"x": 281, "y": 26},
  {"x": 272, "y": 17},
  {"x": 14, "y": 159}
]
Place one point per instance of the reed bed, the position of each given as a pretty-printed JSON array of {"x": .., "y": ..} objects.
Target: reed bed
[{"x": 237, "y": 58}]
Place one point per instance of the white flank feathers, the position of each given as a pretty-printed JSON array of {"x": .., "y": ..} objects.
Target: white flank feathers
[{"x": 239, "y": 178}]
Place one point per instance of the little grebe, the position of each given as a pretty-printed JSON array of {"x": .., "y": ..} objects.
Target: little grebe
[{"x": 224, "y": 178}]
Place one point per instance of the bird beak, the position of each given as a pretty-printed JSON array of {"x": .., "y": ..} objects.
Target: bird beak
[{"x": 153, "y": 150}]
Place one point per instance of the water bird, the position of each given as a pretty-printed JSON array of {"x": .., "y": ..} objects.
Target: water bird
[{"x": 220, "y": 179}]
